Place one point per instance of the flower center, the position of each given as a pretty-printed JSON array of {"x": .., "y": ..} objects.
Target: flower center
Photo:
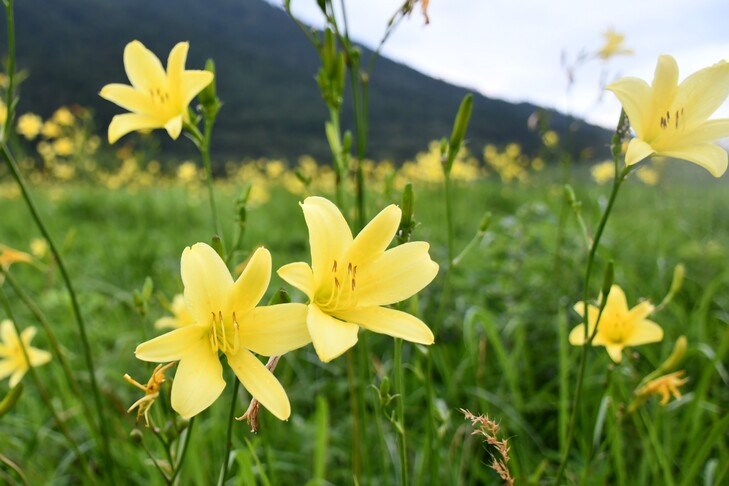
[
  {"x": 672, "y": 120},
  {"x": 340, "y": 293},
  {"x": 224, "y": 336}
]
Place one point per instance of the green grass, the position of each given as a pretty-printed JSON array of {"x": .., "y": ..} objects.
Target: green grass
[{"x": 500, "y": 345}]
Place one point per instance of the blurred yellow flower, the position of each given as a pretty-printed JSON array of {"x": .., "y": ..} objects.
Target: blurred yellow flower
[
  {"x": 12, "y": 360},
  {"x": 187, "y": 172},
  {"x": 550, "y": 138},
  {"x": 619, "y": 326},
  {"x": 227, "y": 320},
  {"x": 671, "y": 119},
  {"x": 39, "y": 247},
  {"x": 180, "y": 315},
  {"x": 603, "y": 172},
  {"x": 647, "y": 176},
  {"x": 9, "y": 256},
  {"x": 63, "y": 117},
  {"x": 350, "y": 280},
  {"x": 29, "y": 125},
  {"x": 50, "y": 129},
  {"x": 63, "y": 146},
  {"x": 155, "y": 98},
  {"x": 665, "y": 386},
  {"x": 3, "y": 112},
  {"x": 613, "y": 45}
]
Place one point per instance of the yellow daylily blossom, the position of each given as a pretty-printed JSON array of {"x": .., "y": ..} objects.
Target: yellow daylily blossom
[
  {"x": 665, "y": 386},
  {"x": 12, "y": 359},
  {"x": 351, "y": 279},
  {"x": 671, "y": 119},
  {"x": 228, "y": 321},
  {"x": 619, "y": 326},
  {"x": 180, "y": 315},
  {"x": 157, "y": 99},
  {"x": 29, "y": 125},
  {"x": 613, "y": 45}
]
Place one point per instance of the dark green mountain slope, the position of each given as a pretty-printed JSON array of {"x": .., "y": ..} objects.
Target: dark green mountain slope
[{"x": 265, "y": 77}]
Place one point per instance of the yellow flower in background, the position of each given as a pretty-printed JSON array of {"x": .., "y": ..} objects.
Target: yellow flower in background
[
  {"x": 29, "y": 125},
  {"x": 613, "y": 45},
  {"x": 63, "y": 146},
  {"x": 63, "y": 117},
  {"x": 227, "y": 320},
  {"x": 12, "y": 359},
  {"x": 550, "y": 138},
  {"x": 187, "y": 172},
  {"x": 619, "y": 326},
  {"x": 665, "y": 386},
  {"x": 39, "y": 247},
  {"x": 3, "y": 112},
  {"x": 181, "y": 317},
  {"x": 603, "y": 172},
  {"x": 50, "y": 129},
  {"x": 9, "y": 256},
  {"x": 157, "y": 99},
  {"x": 671, "y": 119},
  {"x": 648, "y": 176},
  {"x": 350, "y": 280}
]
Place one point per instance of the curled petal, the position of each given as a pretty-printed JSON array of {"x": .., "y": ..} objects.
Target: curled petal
[
  {"x": 129, "y": 122},
  {"x": 637, "y": 151},
  {"x": 616, "y": 352}
]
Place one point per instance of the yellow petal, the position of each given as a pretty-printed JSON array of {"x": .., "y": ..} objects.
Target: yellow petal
[
  {"x": 616, "y": 301},
  {"x": 708, "y": 131},
  {"x": 391, "y": 322},
  {"x": 708, "y": 155},
  {"x": 329, "y": 234},
  {"x": 640, "y": 311},
  {"x": 251, "y": 285},
  {"x": 173, "y": 345},
  {"x": 398, "y": 274},
  {"x": 27, "y": 335},
  {"x": 129, "y": 122},
  {"x": 143, "y": 68},
  {"x": 7, "y": 332},
  {"x": 637, "y": 151},
  {"x": 615, "y": 352},
  {"x": 577, "y": 335},
  {"x": 207, "y": 281},
  {"x": 643, "y": 333},
  {"x": 17, "y": 376},
  {"x": 260, "y": 383},
  {"x": 702, "y": 93},
  {"x": 175, "y": 68},
  {"x": 174, "y": 127},
  {"x": 128, "y": 98},
  {"x": 635, "y": 96},
  {"x": 275, "y": 330},
  {"x": 331, "y": 337},
  {"x": 376, "y": 236},
  {"x": 193, "y": 82},
  {"x": 198, "y": 381},
  {"x": 7, "y": 368},
  {"x": 665, "y": 82},
  {"x": 299, "y": 275},
  {"x": 38, "y": 357}
]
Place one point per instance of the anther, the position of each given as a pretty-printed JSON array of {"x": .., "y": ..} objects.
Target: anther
[
  {"x": 222, "y": 330},
  {"x": 334, "y": 267},
  {"x": 336, "y": 282},
  {"x": 349, "y": 268}
]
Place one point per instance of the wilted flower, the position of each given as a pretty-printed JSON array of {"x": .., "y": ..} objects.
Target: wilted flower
[
  {"x": 151, "y": 391},
  {"x": 350, "y": 280},
  {"x": 12, "y": 359},
  {"x": 671, "y": 119},
  {"x": 665, "y": 386},
  {"x": 619, "y": 326},
  {"x": 157, "y": 99}
]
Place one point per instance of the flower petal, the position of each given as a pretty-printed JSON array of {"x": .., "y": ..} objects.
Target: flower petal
[
  {"x": 299, "y": 275},
  {"x": 708, "y": 131},
  {"x": 7, "y": 368},
  {"x": 129, "y": 122},
  {"x": 331, "y": 337},
  {"x": 175, "y": 69},
  {"x": 376, "y": 236},
  {"x": 193, "y": 81},
  {"x": 38, "y": 357},
  {"x": 665, "y": 81},
  {"x": 640, "y": 311},
  {"x": 198, "y": 381},
  {"x": 635, "y": 96},
  {"x": 251, "y": 285},
  {"x": 7, "y": 332},
  {"x": 616, "y": 352},
  {"x": 644, "y": 332},
  {"x": 397, "y": 274},
  {"x": 128, "y": 98},
  {"x": 577, "y": 335},
  {"x": 702, "y": 93},
  {"x": 173, "y": 345},
  {"x": 616, "y": 301},
  {"x": 637, "y": 151},
  {"x": 708, "y": 155},
  {"x": 329, "y": 234},
  {"x": 143, "y": 68},
  {"x": 392, "y": 322},
  {"x": 275, "y": 329},
  {"x": 17, "y": 376},
  {"x": 260, "y": 383},
  {"x": 174, "y": 127},
  {"x": 207, "y": 281}
]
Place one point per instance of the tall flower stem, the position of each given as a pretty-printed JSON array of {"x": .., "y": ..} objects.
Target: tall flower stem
[
  {"x": 620, "y": 176},
  {"x": 400, "y": 390},
  {"x": 229, "y": 435},
  {"x": 183, "y": 452},
  {"x": 202, "y": 142}
]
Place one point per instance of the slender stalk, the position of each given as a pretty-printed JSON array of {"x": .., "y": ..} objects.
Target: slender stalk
[
  {"x": 229, "y": 435},
  {"x": 356, "y": 425},
  {"x": 185, "y": 444},
  {"x": 617, "y": 182},
  {"x": 451, "y": 245},
  {"x": 202, "y": 142},
  {"x": 10, "y": 93},
  {"x": 400, "y": 390}
]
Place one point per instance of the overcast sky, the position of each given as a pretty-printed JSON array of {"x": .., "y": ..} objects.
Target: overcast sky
[{"x": 511, "y": 49}]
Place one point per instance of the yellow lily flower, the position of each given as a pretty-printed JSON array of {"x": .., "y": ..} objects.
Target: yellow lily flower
[
  {"x": 228, "y": 321},
  {"x": 619, "y": 326},
  {"x": 613, "y": 45},
  {"x": 671, "y": 119},
  {"x": 155, "y": 98},
  {"x": 12, "y": 359},
  {"x": 180, "y": 315},
  {"x": 350, "y": 279}
]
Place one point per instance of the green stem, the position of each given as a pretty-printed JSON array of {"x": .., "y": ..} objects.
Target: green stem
[
  {"x": 229, "y": 435},
  {"x": 185, "y": 444},
  {"x": 202, "y": 142},
  {"x": 356, "y": 425},
  {"x": 11, "y": 70},
  {"x": 446, "y": 278},
  {"x": 400, "y": 391}
]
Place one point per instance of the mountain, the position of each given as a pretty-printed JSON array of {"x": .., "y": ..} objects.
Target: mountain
[{"x": 265, "y": 74}]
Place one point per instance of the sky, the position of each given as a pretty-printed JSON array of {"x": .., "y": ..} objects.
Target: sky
[{"x": 512, "y": 49}]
